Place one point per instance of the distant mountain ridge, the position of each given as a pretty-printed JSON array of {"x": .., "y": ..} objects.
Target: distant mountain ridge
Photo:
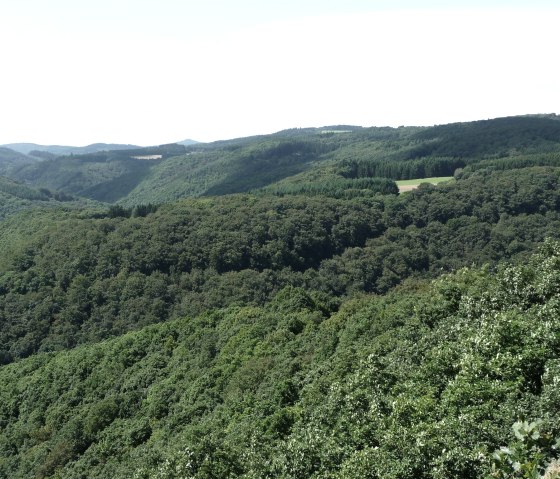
[
  {"x": 188, "y": 142},
  {"x": 60, "y": 150}
]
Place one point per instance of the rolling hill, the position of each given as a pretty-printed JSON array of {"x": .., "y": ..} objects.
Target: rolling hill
[
  {"x": 16, "y": 197},
  {"x": 11, "y": 160},
  {"x": 331, "y": 154},
  {"x": 103, "y": 176}
]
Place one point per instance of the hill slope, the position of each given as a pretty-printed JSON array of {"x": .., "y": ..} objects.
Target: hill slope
[
  {"x": 10, "y": 160},
  {"x": 103, "y": 176},
  {"x": 84, "y": 278},
  {"x": 421, "y": 383},
  {"x": 16, "y": 197}
]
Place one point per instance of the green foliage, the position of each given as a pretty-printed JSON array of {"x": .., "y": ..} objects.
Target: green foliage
[
  {"x": 490, "y": 138},
  {"x": 516, "y": 162},
  {"x": 422, "y": 382},
  {"x": 95, "y": 177},
  {"x": 226, "y": 167},
  {"x": 337, "y": 188},
  {"x": 21, "y": 191},
  {"x": 135, "y": 266},
  {"x": 401, "y": 170},
  {"x": 116, "y": 211},
  {"x": 529, "y": 456}
]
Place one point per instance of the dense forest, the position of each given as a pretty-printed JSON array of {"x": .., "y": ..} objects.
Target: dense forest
[{"x": 273, "y": 307}]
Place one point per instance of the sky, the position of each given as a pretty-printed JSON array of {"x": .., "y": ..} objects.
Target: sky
[{"x": 147, "y": 72}]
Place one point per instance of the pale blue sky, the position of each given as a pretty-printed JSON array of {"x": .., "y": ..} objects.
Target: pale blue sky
[{"x": 156, "y": 71}]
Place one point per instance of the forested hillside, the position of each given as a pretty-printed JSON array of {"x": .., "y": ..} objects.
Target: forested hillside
[
  {"x": 11, "y": 160},
  {"x": 16, "y": 197},
  {"x": 336, "y": 153},
  {"x": 273, "y": 307},
  {"x": 423, "y": 382},
  {"x": 102, "y": 175},
  {"x": 84, "y": 279}
]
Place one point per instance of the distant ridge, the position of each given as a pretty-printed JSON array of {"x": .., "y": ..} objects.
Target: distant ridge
[
  {"x": 188, "y": 142},
  {"x": 26, "y": 148}
]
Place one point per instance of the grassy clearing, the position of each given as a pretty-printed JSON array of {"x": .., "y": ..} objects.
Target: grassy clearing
[
  {"x": 435, "y": 180},
  {"x": 408, "y": 185}
]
